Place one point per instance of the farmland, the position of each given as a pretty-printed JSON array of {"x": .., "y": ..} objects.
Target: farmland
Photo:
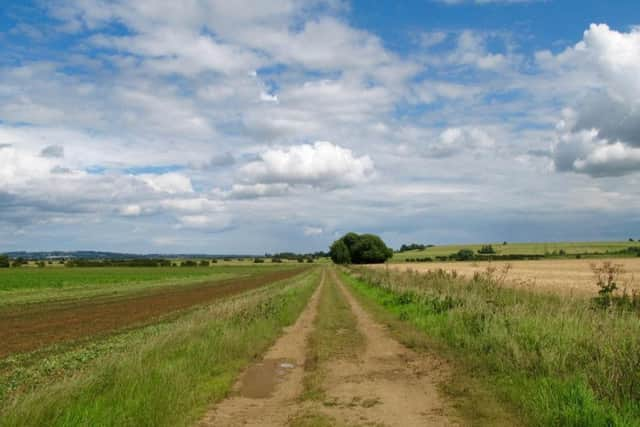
[
  {"x": 316, "y": 345},
  {"x": 548, "y": 248},
  {"x": 563, "y": 276}
]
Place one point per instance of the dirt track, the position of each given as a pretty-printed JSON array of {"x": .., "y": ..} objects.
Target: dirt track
[
  {"x": 266, "y": 393},
  {"x": 387, "y": 385},
  {"x": 46, "y": 324}
]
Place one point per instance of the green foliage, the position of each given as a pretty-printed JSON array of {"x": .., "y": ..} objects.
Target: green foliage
[
  {"x": 486, "y": 249},
  {"x": 4, "y": 261},
  {"x": 359, "y": 249},
  {"x": 167, "y": 377},
  {"x": 464, "y": 255},
  {"x": 258, "y": 260},
  {"x": 556, "y": 359},
  {"x": 339, "y": 252}
]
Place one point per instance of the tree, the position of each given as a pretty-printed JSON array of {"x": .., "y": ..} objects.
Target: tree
[
  {"x": 360, "y": 249},
  {"x": 339, "y": 252},
  {"x": 4, "y": 261}
]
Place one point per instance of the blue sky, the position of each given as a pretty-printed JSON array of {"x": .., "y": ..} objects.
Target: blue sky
[{"x": 225, "y": 127}]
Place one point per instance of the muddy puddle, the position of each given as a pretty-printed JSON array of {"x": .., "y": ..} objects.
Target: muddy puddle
[{"x": 261, "y": 379}]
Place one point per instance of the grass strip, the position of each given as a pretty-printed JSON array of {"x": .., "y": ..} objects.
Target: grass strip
[
  {"x": 335, "y": 336},
  {"x": 168, "y": 379},
  {"x": 557, "y": 360}
]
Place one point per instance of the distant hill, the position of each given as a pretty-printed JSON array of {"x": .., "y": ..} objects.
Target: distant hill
[{"x": 109, "y": 255}]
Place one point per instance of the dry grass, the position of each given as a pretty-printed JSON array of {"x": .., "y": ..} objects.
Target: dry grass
[{"x": 572, "y": 276}]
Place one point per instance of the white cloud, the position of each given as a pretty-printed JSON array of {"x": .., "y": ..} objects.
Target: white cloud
[
  {"x": 321, "y": 164},
  {"x": 453, "y": 141},
  {"x": 171, "y": 182},
  {"x": 600, "y": 135},
  {"x": 312, "y": 231}
]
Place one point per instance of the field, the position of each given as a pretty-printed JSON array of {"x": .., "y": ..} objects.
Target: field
[
  {"x": 564, "y": 276},
  {"x": 318, "y": 345},
  {"x": 570, "y": 248}
]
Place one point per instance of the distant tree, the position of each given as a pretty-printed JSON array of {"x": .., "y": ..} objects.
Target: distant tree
[
  {"x": 188, "y": 263},
  {"x": 4, "y": 261},
  {"x": 214, "y": 261},
  {"x": 204, "y": 263},
  {"x": 630, "y": 239},
  {"x": 359, "y": 249},
  {"x": 464, "y": 255},
  {"x": 258, "y": 260},
  {"x": 486, "y": 249},
  {"x": 339, "y": 252},
  {"x": 504, "y": 243}
]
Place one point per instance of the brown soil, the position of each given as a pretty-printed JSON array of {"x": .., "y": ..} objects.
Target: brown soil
[
  {"x": 267, "y": 392},
  {"x": 46, "y": 324},
  {"x": 389, "y": 384}
]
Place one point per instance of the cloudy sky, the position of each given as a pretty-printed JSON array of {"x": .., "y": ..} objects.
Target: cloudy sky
[{"x": 250, "y": 126}]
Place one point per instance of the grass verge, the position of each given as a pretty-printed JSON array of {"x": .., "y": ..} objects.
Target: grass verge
[
  {"x": 558, "y": 361},
  {"x": 168, "y": 378},
  {"x": 335, "y": 336}
]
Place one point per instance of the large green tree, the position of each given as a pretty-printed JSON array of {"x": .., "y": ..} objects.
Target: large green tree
[{"x": 359, "y": 249}]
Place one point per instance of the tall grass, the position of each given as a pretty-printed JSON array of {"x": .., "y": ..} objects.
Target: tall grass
[
  {"x": 170, "y": 378},
  {"x": 559, "y": 360}
]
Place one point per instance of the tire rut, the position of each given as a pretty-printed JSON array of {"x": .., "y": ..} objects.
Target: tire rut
[{"x": 267, "y": 393}]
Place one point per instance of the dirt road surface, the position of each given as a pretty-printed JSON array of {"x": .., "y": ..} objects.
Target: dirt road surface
[
  {"x": 266, "y": 393},
  {"x": 386, "y": 385},
  {"x": 389, "y": 384}
]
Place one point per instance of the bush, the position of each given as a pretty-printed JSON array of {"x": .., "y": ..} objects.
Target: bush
[
  {"x": 360, "y": 249},
  {"x": 464, "y": 255},
  {"x": 258, "y": 260},
  {"x": 4, "y": 261},
  {"x": 486, "y": 249}
]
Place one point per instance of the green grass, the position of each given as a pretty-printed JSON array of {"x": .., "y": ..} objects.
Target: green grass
[
  {"x": 335, "y": 336},
  {"x": 557, "y": 360},
  {"x": 167, "y": 376},
  {"x": 521, "y": 248},
  {"x": 30, "y": 285}
]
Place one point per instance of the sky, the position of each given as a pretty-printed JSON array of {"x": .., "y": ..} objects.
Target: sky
[{"x": 250, "y": 126}]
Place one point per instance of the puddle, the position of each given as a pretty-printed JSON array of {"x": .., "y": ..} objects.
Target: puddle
[{"x": 260, "y": 380}]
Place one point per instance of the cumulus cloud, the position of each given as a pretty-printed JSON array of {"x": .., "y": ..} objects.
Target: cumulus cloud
[
  {"x": 322, "y": 164},
  {"x": 253, "y": 191},
  {"x": 171, "y": 183},
  {"x": 455, "y": 140},
  {"x": 600, "y": 135}
]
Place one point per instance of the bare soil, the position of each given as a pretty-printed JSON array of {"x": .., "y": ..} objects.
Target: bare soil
[
  {"x": 41, "y": 325},
  {"x": 386, "y": 385},
  {"x": 267, "y": 392},
  {"x": 389, "y": 384}
]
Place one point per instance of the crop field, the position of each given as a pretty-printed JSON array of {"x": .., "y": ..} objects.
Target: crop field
[
  {"x": 570, "y": 248},
  {"x": 36, "y": 285},
  {"x": 564, "y": 276}
]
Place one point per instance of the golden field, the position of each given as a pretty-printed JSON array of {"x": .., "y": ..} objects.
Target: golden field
[{"x": 566, "y": 276}]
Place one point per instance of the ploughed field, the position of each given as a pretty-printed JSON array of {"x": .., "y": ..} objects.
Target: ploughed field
[
  {"x": 41, "y": 307},
  {"x": 566, "y": 276}
]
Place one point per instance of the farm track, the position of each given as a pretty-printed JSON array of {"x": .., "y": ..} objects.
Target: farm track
[
  {"x": 46, "y": 324},
  {"x": 385, "y": 384}
]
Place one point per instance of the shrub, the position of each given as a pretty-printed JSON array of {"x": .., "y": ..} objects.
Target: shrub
[
  {"x": 360, "y": 249},
  {"x": 4, "y": 261},
  {"x": 258, "y": 260},
  {"x": 486, "y": 249},
  {"x": 464, "y": 255}
]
